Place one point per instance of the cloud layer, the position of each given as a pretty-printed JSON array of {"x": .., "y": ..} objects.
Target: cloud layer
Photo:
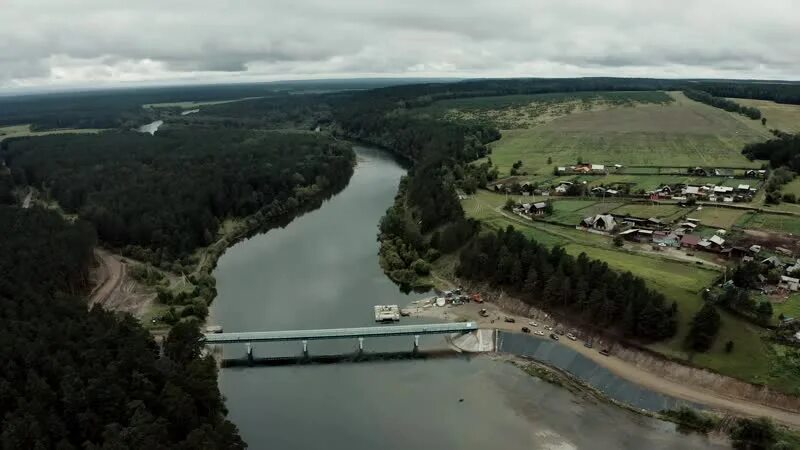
[{"x": 56, "y": 42}]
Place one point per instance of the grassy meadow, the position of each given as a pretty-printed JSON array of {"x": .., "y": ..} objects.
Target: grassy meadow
[
  {"x": 781, "y": 116},
  {"x": 680, "y": 133},
  {"x": 25, "y": 130}
]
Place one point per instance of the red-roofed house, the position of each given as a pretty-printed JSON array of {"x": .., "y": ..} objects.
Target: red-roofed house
[{"x": 690, "y": 240}]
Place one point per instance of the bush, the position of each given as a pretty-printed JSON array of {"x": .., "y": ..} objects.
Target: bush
[
  {"x": 728, "y": 346},
  {"x": 618, "y": 241},
  {"x": 689, "y": 418},
  {"x": 789, "y": 198},
  {"x": 753, "y": 434},
  {"x": 421, "y": 267}
]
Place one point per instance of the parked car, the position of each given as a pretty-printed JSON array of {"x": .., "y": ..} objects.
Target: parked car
[
  {"x": 553, "y": 336},
  {"x": 539, "y": 333},
  {"x": 483, "y": 313},
  {"x": 605, "y": 352},
  {"x": 588, "y": 344},
  {"x": 526, "y": 330},
  {"x": 533, "y": 324},
  {"x": 548, "y": 328},
  {"x": 509, "y": 319},
  {"x": 571, "y": 337}
]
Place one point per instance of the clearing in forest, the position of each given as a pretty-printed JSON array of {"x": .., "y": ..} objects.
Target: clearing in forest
[{"x": 781, "y": 116}]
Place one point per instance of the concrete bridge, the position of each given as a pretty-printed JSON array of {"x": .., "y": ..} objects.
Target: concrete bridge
[{"x": 360, "y": 333}]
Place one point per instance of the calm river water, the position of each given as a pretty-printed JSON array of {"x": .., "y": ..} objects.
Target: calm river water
[{"x": 322, "y": 271}]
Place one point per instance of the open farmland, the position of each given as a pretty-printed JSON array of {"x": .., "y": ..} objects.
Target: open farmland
[
  {"x": 25, "y": 130},
  {"x": 667, "y": 212},
  {"x": 781, "y": 116},
  {"x": 681, "y": 133},
  {"x": 525, "y": 111},
  {"x": 718, "y": 217},
  {"x": 770, "y": 222}
]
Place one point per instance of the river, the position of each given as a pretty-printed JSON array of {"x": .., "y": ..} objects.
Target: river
[{"x": 322, "y": 271}]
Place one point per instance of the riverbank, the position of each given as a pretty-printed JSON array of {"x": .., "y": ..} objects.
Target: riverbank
[{"x": 656, "y": 382}]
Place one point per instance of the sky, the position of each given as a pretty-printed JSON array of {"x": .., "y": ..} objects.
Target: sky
[{"x": 46, "y": 44}]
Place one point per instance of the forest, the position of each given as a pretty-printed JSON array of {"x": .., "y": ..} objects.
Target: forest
[
  {"x": 76, "y": 378},
  {"x": 722, "y": 103},
  {"x": 584, "y": 287},
  {"x": 167, "y": 194},
  {"x": 781, "y": 151}
]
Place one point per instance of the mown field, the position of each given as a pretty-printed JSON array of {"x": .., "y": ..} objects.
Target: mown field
[
  {"x": 25, "y": 130},
  {"x": 525, "y": 111},
  {"x": 667, "y": 212},
  {"x": 681, "y": 133},
  {"x": 770, "y": 222},
  {"x": 717, "y": 217},
  {"x": 783, "y": 117}
]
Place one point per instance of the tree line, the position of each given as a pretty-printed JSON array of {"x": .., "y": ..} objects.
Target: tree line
[
  {"x": 578, "y": 285},
  {"x": 76, "y": 378},
  {"x": 723, "y": 103},
  {"x": 161, "y": 197}
]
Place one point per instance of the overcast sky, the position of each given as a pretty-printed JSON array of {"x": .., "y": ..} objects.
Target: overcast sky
[{"x": 46, "y": 43}]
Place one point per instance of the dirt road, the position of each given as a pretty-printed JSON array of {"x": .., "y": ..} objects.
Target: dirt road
[
  {"x": 114, "y": 289},
  {"x": 624, "y": 369},
  {"x": 109, "y": 276}
]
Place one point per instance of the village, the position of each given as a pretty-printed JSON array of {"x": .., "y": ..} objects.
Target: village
[{"x": 670, "y": 220}]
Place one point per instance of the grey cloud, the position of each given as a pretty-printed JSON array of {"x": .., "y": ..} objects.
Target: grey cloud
[{"x": 47, "y": 42}]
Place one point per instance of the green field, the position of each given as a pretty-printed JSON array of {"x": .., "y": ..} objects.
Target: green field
[
  {"x": 783, "y": 117},
  {"x": 668, "y": 212},
  {"x": 190, "y": 105},
  {"x": 718, "y": 217},
  {"x": 682, "y": 133},
  {"x": 792, "y": 187},
  {"x": 525, "y": 111},
  {"x": 770, "y": 222},
  {"x": 681, "y": 282},
  {"x": 25, "y": 130}
]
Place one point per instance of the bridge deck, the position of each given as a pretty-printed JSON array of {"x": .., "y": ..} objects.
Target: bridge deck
[{"x": 340, "y": 333}]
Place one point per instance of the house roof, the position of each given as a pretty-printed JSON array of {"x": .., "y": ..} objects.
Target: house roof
[
  {"x": 689, "y": 225},
  {"x": 627, "y": 232},
  {"x": 540, "y": 205},
  {"x": 789, "y": 279},
  {"x": 692, "y": 190},
  {"x": 744, "y": 187},
  {"x": 598, "y": 167},
  {"x": 717, "y": 240},
  {"x": 704, "y": 243},
  {"x": 723, "y": 189},
  {"x": 690, "y": 239}
]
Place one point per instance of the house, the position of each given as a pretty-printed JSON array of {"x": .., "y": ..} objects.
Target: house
[
  {"x": 743, "y": 188},
  {"x": 722, "y": 189},
  {"x": 561, "y": 189},
  {"x": 618, "y": 166},
  {"x": 716, "y": 242},
  {"x": 752, "y": 173},
  {"x": 561, "y": 169},
  {"x": 538, "y": 209},
  {"x": 612, "y": 192},
  {"x": 755, "y": 249},
  {"x": 583, "y": 168},
  {"x": 773, "y": 261},
  {"x": 690, "y": 240},
  {"x": 498, "y": 187},
  {"x": 688, "y": 225},
  {"x": 602, "y": 222},
  {"x": 598, "y": 190},
  {"x": 793, "y": 268},
  {"x": 789, "y": 283},
  {"x": 689, "y": 219},
  {"x": 638, "y": 235},
  {"x": 783, "y": 251},
  {"x": 691, "y": 190},
  {"x": 698, "y": 171},
  {"x": 598, "y": 168}
]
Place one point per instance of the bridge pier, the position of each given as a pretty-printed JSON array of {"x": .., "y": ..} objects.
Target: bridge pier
[
  {"x": 249, "y": 348},
  {"x": 416, "y": 343},
  {"x": 305, "y": 349}
]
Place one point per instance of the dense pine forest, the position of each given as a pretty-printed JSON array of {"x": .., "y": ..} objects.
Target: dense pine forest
[
  {"x": 78, "y": 378},
  {"x": 160, "y": 197},
  {"x": 556, "y": 280}
]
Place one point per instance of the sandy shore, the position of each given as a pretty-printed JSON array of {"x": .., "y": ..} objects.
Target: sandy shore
[{"x": 713, "y": 400}]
